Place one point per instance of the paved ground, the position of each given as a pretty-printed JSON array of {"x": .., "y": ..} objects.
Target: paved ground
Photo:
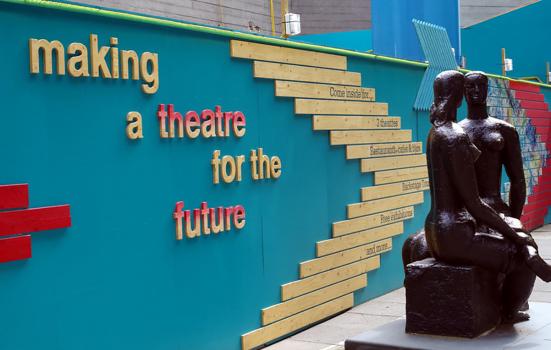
[{"x": 331, "y": 334}]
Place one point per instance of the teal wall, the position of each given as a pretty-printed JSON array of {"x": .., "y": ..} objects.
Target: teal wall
[
  {"x": 524, "y": 34},
  {"x": 117, "y": 278},
  {"x": 358, "y": 40}
]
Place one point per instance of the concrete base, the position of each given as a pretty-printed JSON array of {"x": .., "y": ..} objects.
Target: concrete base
[{"x": 534, "y": 334}]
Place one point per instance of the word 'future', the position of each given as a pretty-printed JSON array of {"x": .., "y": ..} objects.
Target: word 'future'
[{"x": 207, "y": 220}]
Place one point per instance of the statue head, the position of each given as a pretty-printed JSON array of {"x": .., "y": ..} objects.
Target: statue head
[
  {"x": 448, "y": 94},
  {"x": 476, "y": 88}
]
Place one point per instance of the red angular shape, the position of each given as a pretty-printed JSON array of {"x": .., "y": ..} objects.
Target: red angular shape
[
  {"x": 34, "y": 219},
  {"x": 537, "y": 113},
  {"x": 15, "y": 248},
  {"x": 534, "y": 105},
  {"x": 516, "y": 85},
  {"x": 543, "y": 122},
  {"x": 530, "y": 96},
  {"x": 14, "y": 196}
]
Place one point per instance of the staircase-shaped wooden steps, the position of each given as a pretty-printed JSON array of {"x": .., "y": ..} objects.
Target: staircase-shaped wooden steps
[{"x": 323, "y": 89}]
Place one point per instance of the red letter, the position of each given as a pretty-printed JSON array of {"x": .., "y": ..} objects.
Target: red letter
[
  {"x": 217, "y": 227},
  {"x": 229, "y": 211},
  {"x": 171, "y": 118},
  {"x": 218, "y": 115},
  {"x": 205, "y": 215},
  {"x": 239, "y": 122},
  {"x": 177, "y": 215},
  {"x": 162, "y": 116},
  {"x": 239, "y": 217},
  {"x": 192, "y": 120},
  {"x": 227, "y": 117}
]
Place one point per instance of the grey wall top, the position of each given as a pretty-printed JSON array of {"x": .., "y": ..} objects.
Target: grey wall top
[
  {"x": 322, "y": 16},
  {"x": 476, "y": 11},
  {"x": 317, "y": 16},
  {"x": 245, "y": 15}
]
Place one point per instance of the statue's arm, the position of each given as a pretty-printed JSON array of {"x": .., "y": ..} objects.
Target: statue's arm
[
  {"x": 462, "y": 173},
  {"x": 515, "y": 171}
]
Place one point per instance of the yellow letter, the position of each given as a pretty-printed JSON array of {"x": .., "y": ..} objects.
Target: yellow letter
[
  {"x": 81, "y": 59},
  {"x": 97, "y": 58},
  {"x": 47, "y": 48},
  {"x": 152, "y": 77},
  {"x": 134, "y": 127},
  {"x": 126, "y": 56}
]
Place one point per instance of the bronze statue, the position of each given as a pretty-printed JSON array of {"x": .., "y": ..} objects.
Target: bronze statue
[
  {"x": 500, "y": 146},
  {"x": 463, "y": 231},
  {"x": 457, "y": 208}
]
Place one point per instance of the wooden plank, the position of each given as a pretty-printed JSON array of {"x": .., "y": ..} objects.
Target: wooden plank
[
  {"x": 262, "y": 52},
  {"x": 378, "y": 205},
  {"x": 14, "y": 196},
  {"x": 306, "y": 285},
  {"x": 312, "y": 106},
  {"x": 347, "y": 122},
  {"x": 383, "y": 150},
  {"x": 338, "y": 244},
  {"x": 276, "y": 330},
  {"x": 268, "y": 70},
  {"x": 323, "y": 91},
  {"x": 35, "y": 219},
  {"x": 366, "y": 222},
  {"x": 394, "y": 189},
  {"x": 15, "y": 248},
  {"x": 387, "y": 176},
  {"x": 290, "y": 307},
  {"x": 368, "y": 136},
  {"x": 386, "y": 163},
  {"x": 328, "y": 262}
]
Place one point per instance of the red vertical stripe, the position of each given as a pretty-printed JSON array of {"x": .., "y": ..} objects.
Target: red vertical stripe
[
  {"x": 14, "y": 196},
  {"x": 15, "y": 248}
]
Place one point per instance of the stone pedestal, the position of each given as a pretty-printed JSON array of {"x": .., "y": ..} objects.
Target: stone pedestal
[
  {"x": 533, "y": 335},
  {"x": 459, "y": 301}
]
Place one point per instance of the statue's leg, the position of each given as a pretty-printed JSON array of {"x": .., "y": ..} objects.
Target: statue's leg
[
  {"x": 415, "y": 248},
  {"x": 536, "y": 263},
  {"x": 517, "y": 287}
]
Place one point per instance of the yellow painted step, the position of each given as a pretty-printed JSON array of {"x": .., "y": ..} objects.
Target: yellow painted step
[
  {"x": 316, "y": 106},
  {"x": 263, "y": 52},
  {"x": 269, "y": 70},
  {"x": 323, "y": 91},
  {"x": 278, "y": 329},
  {"x": 290, "y": 307}
]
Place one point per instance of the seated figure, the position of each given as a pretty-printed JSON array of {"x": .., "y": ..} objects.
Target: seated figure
[
  {"x": 457, "y": 209},
  {"x": 499, "y": 144}
]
